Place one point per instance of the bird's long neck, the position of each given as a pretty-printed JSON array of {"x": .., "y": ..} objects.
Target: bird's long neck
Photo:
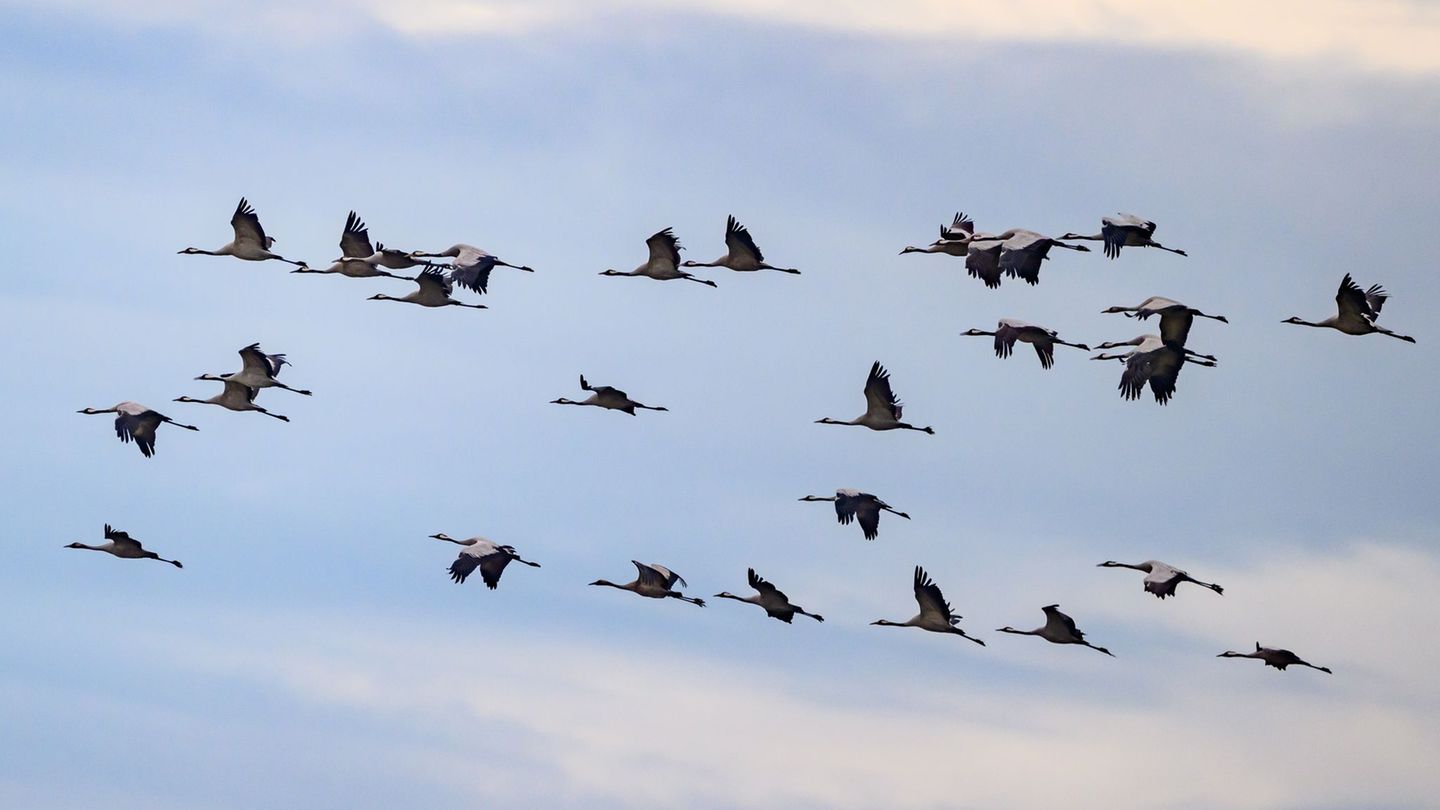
[
  {"x": 1015, "y": 632},
  {"x": 828, "y": 421},
  {"x": 888, "y": 623},
  {"x": 90, "y": 548}
]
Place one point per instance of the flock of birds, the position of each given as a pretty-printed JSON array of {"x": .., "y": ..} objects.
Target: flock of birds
[{"x": 1151, "y": 359}]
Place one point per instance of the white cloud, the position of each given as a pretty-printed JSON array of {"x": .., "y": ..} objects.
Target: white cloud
[
  {"x": 564, "y": 717},
  {"x": 1396, "y": 36}
]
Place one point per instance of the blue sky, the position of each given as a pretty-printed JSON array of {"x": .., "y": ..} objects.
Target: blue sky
[{"x": 313, "y": 652}]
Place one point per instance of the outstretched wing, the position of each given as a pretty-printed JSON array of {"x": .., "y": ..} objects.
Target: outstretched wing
[
  {"x": 928, "y": 596},
  {"x": 664, "y": 247},
  {"x": 492, "y": 565},
  {"x": 879, "y": 397},
  {"x": 1021, "y": 257},
  {"x": 984, "y": 264},
  {"x": 431, "y": 280},
  {"x": 845, "y": 503},
  {"x": 960, "y": 227},
  {"x": 1005, "y": 336},
  {"x": 765, "y": 589},
  {"x": 739, "y": 241},
  {"x": 355, "y": 241},
  {"x": 1055, "y": 620},
  {"x": 247, "y": 227},
  {"x": 465, "y": 565},
  {"x": 255, "y": 361},
  {"x": 867, "y": 513},
  {"x": 139, "y": 428},
  {"x": 1355, "y": 302},
  {"x": 474, "y": 276}
]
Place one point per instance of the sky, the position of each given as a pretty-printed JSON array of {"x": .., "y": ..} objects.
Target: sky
[{"x": 314, "y": 653}]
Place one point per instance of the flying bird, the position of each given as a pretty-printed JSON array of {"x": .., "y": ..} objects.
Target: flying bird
[
  {"x": 852, "y": 504},
  {"x": 124, "y": 546},
  {"x": 1143, "y": 344},
  {"x": 1124, "y": 230},
  {"x": 1058, "y": 629},
  {"x": 356, "y": 254},
  {"x": 1175, "y": 317},
  {"x": 1358, "y": 311},
  {"x": 484, "y": 554},
  {"x": 741, "y": 252},
  {"x": 1161, "y": 579},
  {"x": 603, "y": 396},
  {"x": 935, "y": 614},
  {"x": 882, "y": 409},
  {"x": 250, "y": 243},
  {"x": 664, "y": 261},
  {"x": 1279, "y": 659},
  {"x": 258, "y": 370},
  {"x": 776, "y": 604},
  {"x": 434, "y": 291},
  {"x": 137, "y": 423},
  {"x": 1008, "y": 331},
  {"x": 235, "y": 397},
  {"x": 1022, "y": 251},
  {"x": 654, "y": 581},
  {"x": 1159, "y": 368},
  {"x": 471, "y": 266}
]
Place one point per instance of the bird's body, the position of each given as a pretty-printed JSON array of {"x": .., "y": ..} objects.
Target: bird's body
[
  {"x": 250, "y": 242},
  {"x": 137, "y": 423},
  {"x": 663, "y": 263},
  {"x": 603, "y": 396},
  {"x": 1274, "y": 657},
  {"x": 470, "y": 266},
  {"x": 1058, "y": 629},
  {"x": 883, "y": 409},
  {"x": 1175, "y": 317},
  {"x": 434, "y": 291},
  {"x": 124, "y": 546},
  {"x": 1162, "y": 579},
  {"x": 486, "y": 555},
  {"x": 852, "y": 504},
  {"x": 654, "y": 581},
  {"x": 356, "y": 254},
  {"x": 1008, "y": 331},
  {"x": 776, "y": 604},
  {"x": 1124, "y": 230},
  {"x": 1358, "y": 311},
  {"x": 258, "y": 370},
  {"x": 935, "y": 614},
  {"x": 742, "y": 255},
  {"x": 235, "y": 397},
  {"x": 1022, "y": 251}
]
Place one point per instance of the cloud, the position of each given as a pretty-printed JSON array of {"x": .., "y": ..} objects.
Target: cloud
[
  {"x": 1392, "y": 36},
  {"x": 557, "y": 717}
]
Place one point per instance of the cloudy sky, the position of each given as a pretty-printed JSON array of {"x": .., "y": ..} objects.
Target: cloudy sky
[{"x": 313, "y": 651}]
